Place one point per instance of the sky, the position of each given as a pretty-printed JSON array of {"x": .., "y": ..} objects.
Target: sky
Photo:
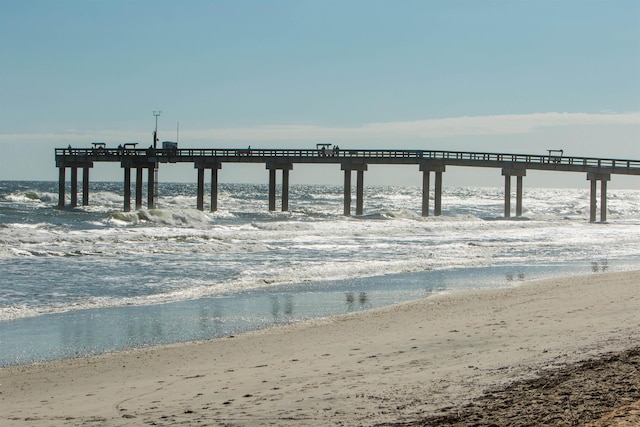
[{"x": 508, "y": 76}]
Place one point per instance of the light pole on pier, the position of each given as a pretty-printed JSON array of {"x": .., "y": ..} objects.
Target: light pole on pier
[{"x": 155, "y": 132}]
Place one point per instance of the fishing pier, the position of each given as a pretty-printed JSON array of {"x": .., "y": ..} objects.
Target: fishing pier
[{"x": 428, "y": 162}]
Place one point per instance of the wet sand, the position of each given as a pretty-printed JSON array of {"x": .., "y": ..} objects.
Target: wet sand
[{"x": 430, "y": 362}]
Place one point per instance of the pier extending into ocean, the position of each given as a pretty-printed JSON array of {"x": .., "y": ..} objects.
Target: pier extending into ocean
[{"x": 428, "y": 161}]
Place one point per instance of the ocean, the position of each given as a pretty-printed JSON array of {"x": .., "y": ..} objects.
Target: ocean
[{"x": 92, "y": 280}]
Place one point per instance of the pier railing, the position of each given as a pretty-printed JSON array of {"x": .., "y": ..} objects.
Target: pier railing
[{"x": 462, "y": 158}]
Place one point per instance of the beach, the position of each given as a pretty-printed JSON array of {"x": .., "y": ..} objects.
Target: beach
[{"x": 406, "y": 364}]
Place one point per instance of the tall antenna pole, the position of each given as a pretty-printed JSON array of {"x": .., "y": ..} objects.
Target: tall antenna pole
[
  {"x": 155, "y": 132},
  {"x": 154, "y": 198}
]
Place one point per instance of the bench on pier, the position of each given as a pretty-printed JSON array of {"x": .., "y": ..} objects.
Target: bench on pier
[{"x": 555, "y": 156}]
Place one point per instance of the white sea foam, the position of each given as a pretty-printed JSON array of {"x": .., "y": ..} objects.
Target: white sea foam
[{"x": 99, "y": 256}]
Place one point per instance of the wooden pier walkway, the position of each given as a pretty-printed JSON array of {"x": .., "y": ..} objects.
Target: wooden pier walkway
[{"x": 511, "y": 165}]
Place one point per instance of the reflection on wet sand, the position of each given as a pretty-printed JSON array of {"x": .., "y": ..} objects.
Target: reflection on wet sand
[
  {"x": 350, "y": 298},
  {"x": 281, "y": 311},
  {"x": 598, "y": 267}
]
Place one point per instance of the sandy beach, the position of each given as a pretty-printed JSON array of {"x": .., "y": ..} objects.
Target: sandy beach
[{"x": 428, "y": 362}]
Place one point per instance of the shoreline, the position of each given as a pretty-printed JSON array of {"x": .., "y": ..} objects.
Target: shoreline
[
  {"x": 92, "y": 331},
  {"x": 396, "y": 364}
]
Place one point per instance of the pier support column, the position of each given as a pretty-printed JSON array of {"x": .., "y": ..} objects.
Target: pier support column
[
  {"x": 127, "y": 189},
  {"x": 437, "y": 203},
  {"x": 593, "y": 177},
  {"x": 359, "y": 192},
  {"x": 508, "y": 173},
  {"x": 360, "y": 168},
  {"x": 151, "y": 202},
  {"x": 61, "y": 183},
  {"x": 426, "y": 168},
  {"x": 139, "y": 188},
  {"x": 140, "y": 165},
  {"x": 214, "y": 189},
  {"x": 425, "y": 192},
  {"x": 603, "y": 200},
  {"x": 347, "y": 192},
  {"x": 74, "y": 186},
  {"x": 272, "y": 189},
  {"x": 200, "y": 195},
  {"x": 74, "y": 164},
  {"x": 202, "y": 165},
  {"x": 593, "y": 202},
  {"x": 285, "y": 167},
  {"x": 507, "y": 196},
  {"x": 519, "y": 196},
  {"x": 285, "y": 190},
  {"x": 85, "y": 186}
]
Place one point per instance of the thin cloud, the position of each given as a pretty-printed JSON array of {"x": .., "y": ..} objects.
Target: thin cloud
[
  {"x": 417, "y": 129},
  {"x": 421, "y": 129}
]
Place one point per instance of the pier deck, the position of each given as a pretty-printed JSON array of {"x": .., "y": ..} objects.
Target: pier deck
[{"x": 597, "y": 169}]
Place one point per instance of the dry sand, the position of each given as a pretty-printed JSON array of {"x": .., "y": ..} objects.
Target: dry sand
[{"x": 428, "y": 362}]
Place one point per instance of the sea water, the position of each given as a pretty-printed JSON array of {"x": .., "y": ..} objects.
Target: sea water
[{"x": 94, "y": 279}]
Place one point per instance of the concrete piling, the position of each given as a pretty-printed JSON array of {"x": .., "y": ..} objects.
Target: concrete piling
[
  {"x": 127, "y": 189},
  {"x": 85, "y": 186},
  {"x": 273, "y": 167},
  {"x": 74, "y": 187},
  {"x": 508, "y": 172},
  {"x": 139, "y": 172},
  {"x": 360, "y": 167},
  {"x": 202, "y": 165},
  {"x": 426, "y": 167},
  {"x": 593, "y": 178}
]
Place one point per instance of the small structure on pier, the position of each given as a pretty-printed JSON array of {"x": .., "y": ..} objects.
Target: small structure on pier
[{"x": 511, "y": 165}]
